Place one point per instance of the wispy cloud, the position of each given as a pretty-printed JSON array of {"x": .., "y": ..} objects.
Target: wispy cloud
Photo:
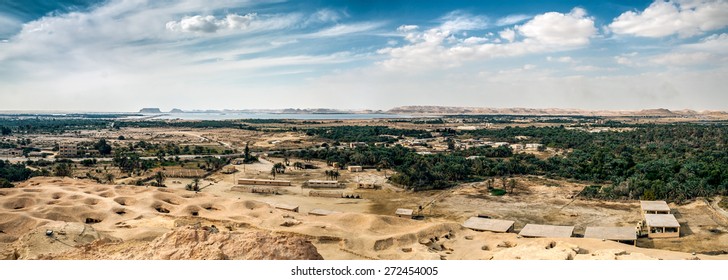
[{"x": 511, "y": 19}]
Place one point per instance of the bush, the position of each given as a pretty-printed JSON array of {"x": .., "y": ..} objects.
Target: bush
[
  {"x": 498, "y": 192},
  {"x": 5, "y": 183}
]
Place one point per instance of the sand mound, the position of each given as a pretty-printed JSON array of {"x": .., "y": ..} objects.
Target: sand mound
[
  {"x": 54, "y": 238},
  {"x": 208, "y": 243}
]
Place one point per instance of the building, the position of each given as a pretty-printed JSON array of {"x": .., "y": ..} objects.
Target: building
[
  {"x": 662, "y": 226},
  {"x": 367, "y": 186},
  {"x": 326, "y": 193},
  {"x": 68, "y": 149},
  {"x": 10, "y": 153},
  {"x": 322, "y": 212},
  {"x": 654, "y": 207},
  {"x": 35, "y": 154},
  {"x": 256, "y": 189},
  {"x": 404, "y": 213},
  {"x": 499, "y": 144},
  {"x": 535, "y": 230},
  {"x": 620, "y": 234},
  {"x": 517, "y": 147},
  {"x": 483, "y": 224},
  {"x": 355, "y": 168},
  {"x": 264, "y": 182},
  {"x": 287, "y": 207},
  {"x": 322, "y": 184},
  {"x": 357, "y": 144},
  {"x": 533, "y": 146}
]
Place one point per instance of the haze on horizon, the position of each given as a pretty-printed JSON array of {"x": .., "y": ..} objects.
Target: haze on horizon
[{"x": 122, "y": 55}]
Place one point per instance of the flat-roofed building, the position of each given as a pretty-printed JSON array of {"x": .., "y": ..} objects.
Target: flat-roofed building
[
  {"x": 536, "y": 230},
  {"x": 404, "y": 213},
  {"x": 484, "y": 224},
  {"x": 10, "y": 153},
  {"x": 257, "y": 189},
  {"x": 654, "y": 207},
  {"x": 355, "y": 168},
  {"x": 283, "y": 206},
  {"x": 366, "y": 186},
  {"x": 621, "y": 234},
  {"x": 322, "y": 184},
  {"x": 662, "y": 226},
  {"x": 322, "y": 212},
  {"x": 68, "y": 149},
  {"x": 264, "y": 182},
  {"x": 326, "y": 193}
]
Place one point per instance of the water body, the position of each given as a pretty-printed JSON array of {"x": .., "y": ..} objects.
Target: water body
[{"x": 236, "y": 116}]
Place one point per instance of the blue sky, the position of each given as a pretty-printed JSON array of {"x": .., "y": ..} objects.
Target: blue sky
[{"x": 120, "y": 55}]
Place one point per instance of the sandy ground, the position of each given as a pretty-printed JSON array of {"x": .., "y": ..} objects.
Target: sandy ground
[{"x": 127, "y": 222}]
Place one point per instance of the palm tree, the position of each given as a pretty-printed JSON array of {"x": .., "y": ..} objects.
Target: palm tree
[{"x": 159, "y": 178}]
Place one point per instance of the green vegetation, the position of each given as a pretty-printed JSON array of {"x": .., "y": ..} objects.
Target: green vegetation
[
  {"x": 672, "y": 162},
  {"x": 14, "y": 172},
  {"x": 367, "y": 134}
]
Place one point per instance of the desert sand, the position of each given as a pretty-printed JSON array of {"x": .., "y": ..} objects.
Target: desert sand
[{"x": 95, "y": 221}]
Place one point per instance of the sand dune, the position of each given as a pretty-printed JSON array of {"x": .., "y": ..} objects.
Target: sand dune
[{"x": 93, "y": 221}]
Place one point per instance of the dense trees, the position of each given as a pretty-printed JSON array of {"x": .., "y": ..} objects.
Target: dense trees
[
  {"x": 14, "y": 172},
  {"x": 673, "y": 162},
  {"x": 366, "y": 133}
]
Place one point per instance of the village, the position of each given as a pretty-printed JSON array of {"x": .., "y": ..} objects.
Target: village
[{"x": 260, "y": 165}]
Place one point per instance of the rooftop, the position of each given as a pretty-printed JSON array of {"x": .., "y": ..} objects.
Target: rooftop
[
  {"x": 611, "y": 233},
  {"x": 661, "y": 220},
  {"x": 654, "y": 206},
  {"x": 535, "y": 230},
  {"x": 495, "y": 225}
]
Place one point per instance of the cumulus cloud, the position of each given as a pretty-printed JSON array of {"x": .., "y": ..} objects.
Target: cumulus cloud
[
  {"x": 572, "y": 29},
  {"x": 251, "y": 21},
  {"x": 508, "y": 34},
  {"x": 684, "y": 18},
  {"x": 562, "y": 59},
  {"x": 440, "y": 46}
]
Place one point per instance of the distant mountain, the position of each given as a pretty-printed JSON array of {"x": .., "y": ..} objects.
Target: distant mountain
[
  {"x": 175, "y": 110},
  {"x": 445, "y": 110},
  {"x": 150, "y": 111}
]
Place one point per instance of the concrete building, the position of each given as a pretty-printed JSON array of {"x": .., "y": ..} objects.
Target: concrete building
[
  {"x": 256, "y": 189},
  {"x": 357, "y": 144},
  {"x": 620, "y": 234},
  {"x": 533, "y": 146},
  {"x": 355, "y": 168},
  {"x": 662, "y": 226},
  {"x": 264, "y": 182},
  {"x": 326, "y": 193},
  {"x": 404, "y": 213},
  {"x": 10, "y": 153},
  {"x": 535, "y": 230},
  {"x": 322, "y": 184},
  {"x": 68, "y": 150},
  {"x": 654, "y": 207},
  {"x": 484, "y": 224},
  {"x": 370, "y": 186}
]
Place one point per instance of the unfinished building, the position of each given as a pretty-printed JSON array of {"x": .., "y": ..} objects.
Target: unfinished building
[
  {"x": 404, "y": 213},
  {"x": 264, "y": 182},
  {"x": 536, "y": 230},
  {"x": 484, "y": 224},
  {"x": 355, "y": 168},
  {"x": 256, "y": 189},
  {"x": 322, "y": 184},
  {"x": 661, "y": 226},
  {"x": 619, "y": 234},
  {"x": 283, "y": 206},
  {"x": 654, "y": 207}
]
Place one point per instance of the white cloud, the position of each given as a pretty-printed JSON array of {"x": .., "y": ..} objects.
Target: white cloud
[
  {"x": 572, "y": 29},
  {"x": 439, "y": 47},
  {"x": 624, "y": 60},
  {"x": 685, "y": 18},
  {"x": 562, "y": 59},
  {"x": 716, "y": 43},
  {"x": 679, "y": 59},
  {"x": 458, "y": 21},
  {"x": 343, "y": 29},
  {"x": 508, "y": 34},
  {"x": 511, "y": 19},
  {"x": 407, "y": 28},
  {"x": 251, "y": 21}
]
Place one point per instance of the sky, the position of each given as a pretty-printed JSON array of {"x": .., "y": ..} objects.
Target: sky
[{"x": 122, "y": 55}]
